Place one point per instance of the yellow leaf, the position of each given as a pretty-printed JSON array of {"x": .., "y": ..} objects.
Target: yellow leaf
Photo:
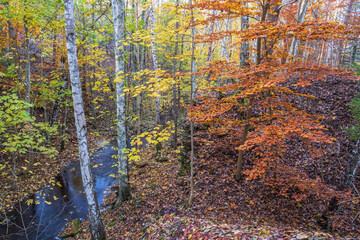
[
  {"x": 96, "y": 165},
  {"x": 55, "y": 198},
  {"x": 190, "y": 236},
  {"x": 119, "y": 78},
  {"x": 49, "y": 203},
  {"x": 29, "y": 201}
]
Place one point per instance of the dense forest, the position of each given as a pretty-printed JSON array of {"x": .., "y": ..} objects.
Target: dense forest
[{"x": 198, "y": 119}]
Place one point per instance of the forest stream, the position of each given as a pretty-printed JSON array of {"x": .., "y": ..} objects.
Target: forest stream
[{"x": 47, "y": 219}]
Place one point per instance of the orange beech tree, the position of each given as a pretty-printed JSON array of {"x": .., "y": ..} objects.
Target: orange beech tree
[{"x": 255, "y": 109}]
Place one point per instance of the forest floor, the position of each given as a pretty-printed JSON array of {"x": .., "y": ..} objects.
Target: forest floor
[{"x": 224, "y": 208}]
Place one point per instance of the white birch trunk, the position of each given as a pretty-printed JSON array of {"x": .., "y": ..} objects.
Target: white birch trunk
[
  {"x": 119, "y": 24},
  {"x": 224, "y": 52},
  {"x": 301, "y": 13},
  {"x": 345, "y": 22},
  {"x": 329, "y": 60},
  {"x": 254, "y": 56},
  {"x": 244, "y": 49},
  {"x": 153, "y": 48},
  {"x": 96, "y": 226}
]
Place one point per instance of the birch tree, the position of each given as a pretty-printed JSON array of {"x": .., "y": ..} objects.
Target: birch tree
[
  {"x": 118, "y": 7},
  {"x": 301, "y": 12},
  {"x": 244, "y": 49},
  {"x": 96, "y": 226},
  {"x": 224, "y": 52},
  {"x": 153, "y": 49},
  {"x": 345, "y": 21}
]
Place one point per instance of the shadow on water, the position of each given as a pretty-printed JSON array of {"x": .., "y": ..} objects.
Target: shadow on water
[{"x": 61, "y": 203}]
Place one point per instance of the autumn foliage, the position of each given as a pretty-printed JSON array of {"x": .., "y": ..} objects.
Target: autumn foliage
[{"x": 255, "y": 107}]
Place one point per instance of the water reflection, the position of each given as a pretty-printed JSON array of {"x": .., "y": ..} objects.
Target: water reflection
[{"x": 58, "y": 204}]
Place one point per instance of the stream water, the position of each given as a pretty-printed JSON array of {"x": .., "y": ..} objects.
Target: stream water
[{"x": 47, "y": 219}]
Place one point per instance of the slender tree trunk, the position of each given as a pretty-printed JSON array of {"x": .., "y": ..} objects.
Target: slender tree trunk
[
  {"x": 57, "y": 106},
  {"x": 244, "y": 49},
  {"x": 301, "y": 13},
  {"x": 240, "y": 159},
  {"x": 14, "y": 46},
  {"x": 63, "y": 132},
  {"x": 193, "y": 77},
  {"x": 175, "y": 86},
  {"x": 353, "y": 166},
  {"x": 27, "y": 65},
  {"x": 119, "y": 24},
  {"x": 345, "y": 22},
  {"x": 138, "y": 68},
  {"x": 155, "y": 62},
  {"x": 96, "y": 226},
  {"x": 329, "y": 60},
  {"x": 354, "y": 52},
  {"x": 224, "y": 52}
]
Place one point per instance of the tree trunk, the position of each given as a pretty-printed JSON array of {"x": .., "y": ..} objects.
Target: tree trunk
[
  {"x": 224, "y": 52},
  {"x": 345, "y": 22},
  {"x": 14, "y": 46},
  {"x": 354, "y": 52},
  {"x": 193, "y": 77},
  {"x": 57, "y": 104},
  {"x": 138, "y": 68},
  {"x": 119, "y": 24},
  {"x": 244, "y": 49},
  {"x": 27, "y": 65},
  {"x": 240, "y": 159},
  {"x": 176, "y": 106},
  {"x": 301, "y": 13},
  {"x": 96, "y": 226},
  {"x": 155, "y": 62},
  {"x": 352, "y": 168}
]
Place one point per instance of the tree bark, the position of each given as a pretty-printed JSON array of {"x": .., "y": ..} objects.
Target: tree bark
[
  {"x": 352, "y": 167},
  {"x": 96, "y": 226},
  {"x": 193, "y": 77},
  {"x": 240, "y": 159},
  {"x": 119, "y": 24},
  {"x": 138, "y": 68},
  {"x": 345, "y": 22},
  {"x": 27, "y": 65},
  {"x": 224, "y": 52},
  {"x": 244, "y": 49},
  {"x": 176, "y": 105},
  {"x": 155, "y": 62},
  {"x": 301, "y": 13}
]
